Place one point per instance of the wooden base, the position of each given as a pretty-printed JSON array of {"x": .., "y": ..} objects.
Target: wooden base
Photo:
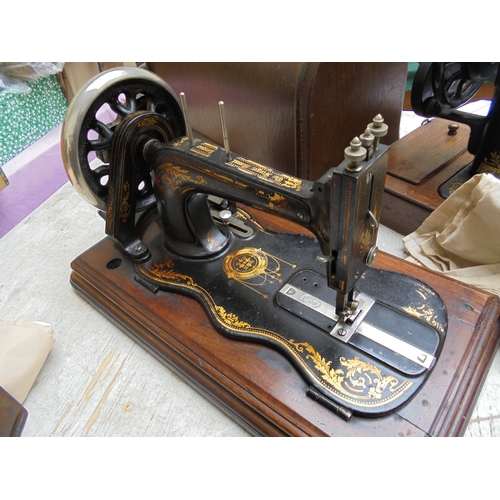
[
  {"x": 12, "y": 415},
  {"x": 258, "y": 387},
  {"x": 418, "y": 165}
]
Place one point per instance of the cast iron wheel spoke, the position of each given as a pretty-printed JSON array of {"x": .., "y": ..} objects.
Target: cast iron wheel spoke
[
  {"x": 122, "y": 109},
  {"x": 99, "y": 144},
  {"x": 103, "y": 130},
  {"x": 105, "y": 136},
  {"x": 151, "y": 105},
  {"x": 101, "y": 171}
]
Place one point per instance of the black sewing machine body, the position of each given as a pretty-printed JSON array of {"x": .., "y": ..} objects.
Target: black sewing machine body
[{"x": 364, "y": 340}]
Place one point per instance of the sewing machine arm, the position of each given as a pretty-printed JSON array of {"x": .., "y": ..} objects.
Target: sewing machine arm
[{"x": 341, "y": 209}]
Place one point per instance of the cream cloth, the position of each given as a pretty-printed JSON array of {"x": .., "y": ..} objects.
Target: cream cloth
[
  {"x": 24, "y": 347},
  {"x": 461, "y": 238}
]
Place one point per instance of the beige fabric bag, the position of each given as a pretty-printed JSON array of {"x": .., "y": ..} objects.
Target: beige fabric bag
[
  {"x": 24, "y": 347},
  {"x": 461, "y": 238}
]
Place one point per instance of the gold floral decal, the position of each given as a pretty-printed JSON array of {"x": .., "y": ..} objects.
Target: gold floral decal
[
  {"x": 275, "y": 200},
  {"x": 491, "y": 166},
  {"x": 179, "y": 142},
  {"x": 109, "y": 210},
  {"x": 455, "y": 185},
  {"x": 147, "y": 122},
  {"x": 426, "y": 314},
  {"x": 365, "y": 241},
  {"x": 165, "y": 272},
  {"x": 360, "y": 380},
  {"x": 170, "y": 178},
  {"x": 125, "y": 206},
  {"x": 231, "y": 319}
]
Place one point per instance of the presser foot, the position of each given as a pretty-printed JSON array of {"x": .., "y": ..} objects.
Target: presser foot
[{"x": 368, "y": 366}]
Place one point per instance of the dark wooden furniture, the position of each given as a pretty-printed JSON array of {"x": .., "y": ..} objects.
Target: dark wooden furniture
[
  {"x": 258, "y": 387},
  {"x": 485, "y": 92},
  {"x": 295, "y": 117},
  {"x": 12, "y": 415},
  {"x": 418, "y": 165}
]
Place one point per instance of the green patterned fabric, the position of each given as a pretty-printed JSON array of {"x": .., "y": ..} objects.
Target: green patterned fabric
[{"x": 24, "y": 118}]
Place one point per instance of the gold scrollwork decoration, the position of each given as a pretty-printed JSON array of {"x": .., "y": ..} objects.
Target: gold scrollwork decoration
[
  {"x": 231, "y": 319},
  {"x": 170, "y": 178},
  {"x": 352, "y": 380},
  {"x": 358, "y": 380},
  {"x": 180, "y": 141},
  {"x": 424, "y": 313},
  {"x": 164, "y": 271},
  {"x": 147, "y": 122},
  {"x": 490, "y": 165},
  {"x": 125, "y": 205},
  {"x": 275, "y": 200}
]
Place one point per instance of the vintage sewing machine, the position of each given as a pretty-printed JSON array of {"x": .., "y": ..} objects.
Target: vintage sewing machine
[
  {"x": 420, "y": 179},
  {"x": 297, "y": 326}
]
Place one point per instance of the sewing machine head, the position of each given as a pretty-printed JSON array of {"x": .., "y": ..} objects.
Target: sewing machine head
[
  {"x": 129, "y": 150},
  {"x": 151, "y": 146}
]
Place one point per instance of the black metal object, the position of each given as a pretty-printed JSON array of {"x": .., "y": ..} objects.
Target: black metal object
[
  {"x": 125, "y": 194},
  {"x": 439, "y": 89},
  {"x": 124, "y": 99},
  {"x": 236, "y": 268},
  {"x": 239, "y": 290},
  {"x": 341, "y": 209}
]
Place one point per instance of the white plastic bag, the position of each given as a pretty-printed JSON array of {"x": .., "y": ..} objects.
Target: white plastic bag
[{"x": 15, "y": 75}]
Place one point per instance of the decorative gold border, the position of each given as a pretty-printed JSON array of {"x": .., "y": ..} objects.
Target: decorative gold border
[
  {"x": 204, "y": 149},
  {"x": 360, "y": 383},
  {"x": 266, "y": 174}
]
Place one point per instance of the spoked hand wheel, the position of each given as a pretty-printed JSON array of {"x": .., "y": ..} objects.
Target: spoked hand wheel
[
  {"x": 447, "y": 85},
  {"x": 90, "y": 126},
  {"x": 453, "y": 85}
]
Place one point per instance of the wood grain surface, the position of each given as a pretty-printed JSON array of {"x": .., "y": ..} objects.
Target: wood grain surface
[{"x": 419, "y": 164}]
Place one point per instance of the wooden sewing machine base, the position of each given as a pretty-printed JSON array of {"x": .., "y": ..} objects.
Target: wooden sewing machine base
[{"x": 257, "y": 386}]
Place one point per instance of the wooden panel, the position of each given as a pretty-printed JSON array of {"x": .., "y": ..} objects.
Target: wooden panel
[
  {"x": 12, "y": 415},
  {"x": 426, "y": 150},
  {"x": 295, "y": 117},
  {"x": 344, "y": 100},
  {"x": 259, "y": 100},
  {"x": 406, "y": 205}
]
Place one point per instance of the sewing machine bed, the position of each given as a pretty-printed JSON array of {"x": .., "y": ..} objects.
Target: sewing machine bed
[{"x": 257, "y": 386}]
